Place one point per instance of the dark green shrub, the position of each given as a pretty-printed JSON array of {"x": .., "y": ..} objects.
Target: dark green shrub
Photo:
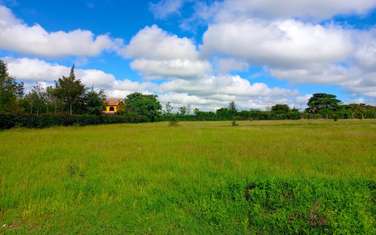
[
  {"x": 234, "y": 123},
  {"x": 47, "y": 120}
]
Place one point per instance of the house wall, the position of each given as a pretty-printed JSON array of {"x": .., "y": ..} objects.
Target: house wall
[{"x": 108, "y": 108}]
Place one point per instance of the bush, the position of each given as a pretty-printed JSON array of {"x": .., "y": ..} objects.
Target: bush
[
  {"x": 234, "y": 123},
  {"x": 8, "y": 120}
]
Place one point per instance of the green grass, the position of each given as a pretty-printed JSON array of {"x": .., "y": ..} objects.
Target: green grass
[{"x": 197, "y": 177}]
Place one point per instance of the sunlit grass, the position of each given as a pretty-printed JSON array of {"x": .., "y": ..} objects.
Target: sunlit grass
[{"x": 156, "y": 178}]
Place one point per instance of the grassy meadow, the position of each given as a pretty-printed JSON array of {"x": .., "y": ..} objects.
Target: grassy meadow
[{"x": 198, "y": 177}]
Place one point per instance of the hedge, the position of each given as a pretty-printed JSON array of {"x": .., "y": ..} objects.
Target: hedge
[{"x": 10, "y": 120}]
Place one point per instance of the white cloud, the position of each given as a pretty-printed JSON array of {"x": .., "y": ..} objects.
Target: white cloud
[
  {"x": 307, "y": 9},
  {"x": 300, "y": 52},
  {"x": 158, "y": 54},
  {"x": 226, "y": 65},
  {"x": 165, "y": 8},
  {"x": 278, "y": 43},
  {"x": 156, "y": 69},
  {"x": 17, "y": 36},
  {"x": 36, "y": 70},
  {"x": 218, "y": 91}
]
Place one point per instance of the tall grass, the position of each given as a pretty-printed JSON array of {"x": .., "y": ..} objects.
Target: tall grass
[{"x": 194, "y": 178}]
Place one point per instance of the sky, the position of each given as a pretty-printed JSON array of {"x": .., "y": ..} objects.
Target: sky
[{"x": 202, "y": 54}]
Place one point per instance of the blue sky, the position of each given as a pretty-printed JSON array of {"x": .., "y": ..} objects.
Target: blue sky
[{"x": 203, "y": 54}]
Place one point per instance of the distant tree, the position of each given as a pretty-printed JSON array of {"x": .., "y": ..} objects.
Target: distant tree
[
  {"x": 147, "y": 106},
  {"x": 280, "y": 109},
  {"x": 232, "y": 108},
  {"x": 52, "y": 99},
  {"x": 94, "y": 102},
  {"x": 168, "y": 108},
  {"x": 183, "y": 111},
  {"x": 70, "y": 91},
  {"x": 36, "y": 100},
  {"x": 322, "y": 103},
  {"x": 224, "y": 114},
  {"x": 10, "y": 90}
]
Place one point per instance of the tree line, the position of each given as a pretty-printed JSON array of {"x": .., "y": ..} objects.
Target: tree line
[{"x": 69, "y": 97}]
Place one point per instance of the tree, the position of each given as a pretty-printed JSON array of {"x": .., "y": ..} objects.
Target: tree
[
  {"x": 280, "y": 109},
  {"x": 10, "y": 90},
  {"x": 36, "y": 100},
  {"x": 322, "y": 103},
  {"x": 147, "y": 106},
  {"x": 232, "y": 108},
  {"x": 168, "y": 108},
  {"x": 94, "y": 102},
  {"x": 70, "y": 91},
  {"x": 183, "y": 111},
  {"x": 224, "y": 113}
]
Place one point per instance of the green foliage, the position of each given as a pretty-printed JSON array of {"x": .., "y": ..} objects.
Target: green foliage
[
  {"x": 94, "y": 102},
  {"x": 146, "y": 106},
  {"x": 70, "y": 91},
  {"x": 9, "y": 120},
  {"x": 280, "y": 109},
  {"x": 322, "y": 103},
  {"x": 10, "y": 90},
  {"x": 183, "y": 111},
  {"x": 36, "y": 101}
]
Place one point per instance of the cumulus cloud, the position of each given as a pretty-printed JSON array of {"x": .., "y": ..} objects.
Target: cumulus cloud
[
  {"x": 158, "y": 54},
  {"x": 16, "y": 35},
  {"x": 278, "y": 43},
  {"x": 298, "y": 51},
  {"x": 218, "y": 91},
  {"x": 32, "y": 70},
  {"x": 271, "y": 9},
  {"x": 226, "y": 65}
]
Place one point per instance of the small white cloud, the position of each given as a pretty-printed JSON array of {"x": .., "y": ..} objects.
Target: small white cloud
[{"x": 165, "y": 8}]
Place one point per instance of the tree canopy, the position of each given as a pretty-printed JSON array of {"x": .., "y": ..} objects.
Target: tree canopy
[
  {"x": 322, "y": 103},
  {"x": 143, "y": 105},
  {"x": 10, "y": 90},
  {"x": 70, "y": 90}
]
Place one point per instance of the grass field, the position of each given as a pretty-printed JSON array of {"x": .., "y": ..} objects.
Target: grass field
[{"x": 198, "y": 177}]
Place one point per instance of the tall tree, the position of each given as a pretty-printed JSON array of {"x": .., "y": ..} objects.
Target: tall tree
[
  {"x": 322, "y": 103},
  {"x": 70, "y": 90},
  {"x": 147, "y": 106},
  {"x": 232, "y": 108},
  {"x": 10, "y": 90}
]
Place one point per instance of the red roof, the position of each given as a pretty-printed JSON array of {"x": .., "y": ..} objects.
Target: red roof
[{"x": 113, "y": 101}]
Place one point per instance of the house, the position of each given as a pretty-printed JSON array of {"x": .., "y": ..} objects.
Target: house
[{"x": 112, "y": 106}]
